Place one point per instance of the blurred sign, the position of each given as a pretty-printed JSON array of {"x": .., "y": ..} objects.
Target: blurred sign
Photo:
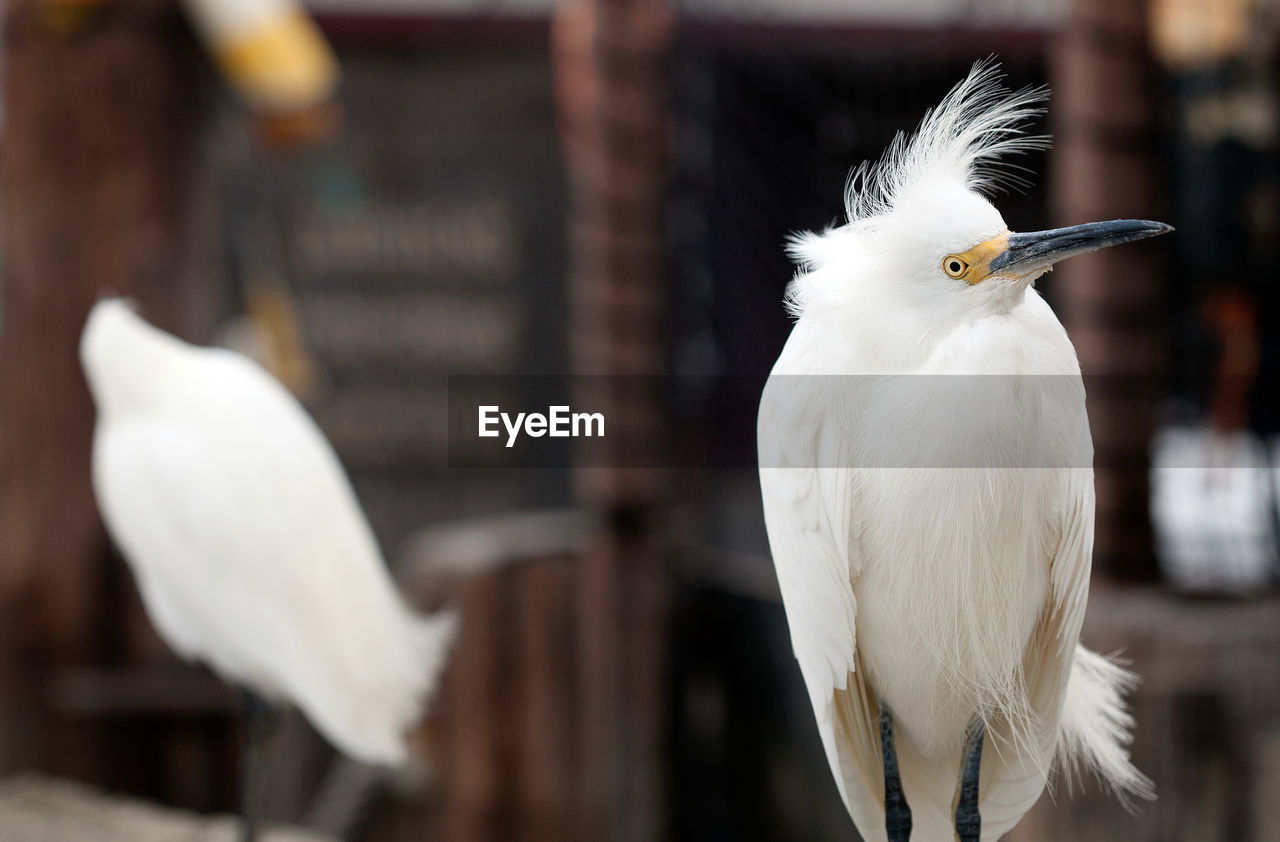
[{"x": 429, "y": 242}]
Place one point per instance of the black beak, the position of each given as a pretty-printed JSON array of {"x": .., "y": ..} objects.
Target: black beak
[{"x": 1041, "y": 249}]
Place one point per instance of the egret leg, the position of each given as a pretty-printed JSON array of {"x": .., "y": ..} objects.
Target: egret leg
[
  {"x": 968, "y": 819},
  {"x": 897, "y": 814},
  {"x": 258, "y": 715}
]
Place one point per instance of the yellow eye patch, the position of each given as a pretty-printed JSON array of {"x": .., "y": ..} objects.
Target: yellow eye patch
[{"x": 973, "y": 266}]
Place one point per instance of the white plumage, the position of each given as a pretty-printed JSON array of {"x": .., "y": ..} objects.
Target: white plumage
[
  {"x": 247, "y": 542},
  {"x": 926, "y": 474}
]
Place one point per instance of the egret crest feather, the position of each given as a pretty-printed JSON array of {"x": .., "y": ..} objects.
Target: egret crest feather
[
  {"x": 961, "y": 142},
  {"x": 978, "y": 123}
]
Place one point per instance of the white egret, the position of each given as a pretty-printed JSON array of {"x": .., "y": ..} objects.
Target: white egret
[
  {"x": 246, "y": 539},
  {"x": 933, "y": 535}
]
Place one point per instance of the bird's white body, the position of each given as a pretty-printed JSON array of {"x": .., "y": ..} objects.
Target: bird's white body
[
  {"x": 926, "y": 474},
  {"x": 249, "y": 547}
]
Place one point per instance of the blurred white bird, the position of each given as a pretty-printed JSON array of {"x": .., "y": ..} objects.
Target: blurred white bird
[
  {"x": 933, "y": 535},
  {"x": 249, "y": 547}
]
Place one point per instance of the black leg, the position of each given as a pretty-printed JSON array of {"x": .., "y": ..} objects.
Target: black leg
[
  {"x": 897, "y": 815},
  {"x": 258, "y": 715},
  {"x": 968, "y": 819}
]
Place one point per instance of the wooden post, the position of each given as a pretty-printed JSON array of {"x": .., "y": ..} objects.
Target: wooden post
[
  {"x": 1110, "y": 301},
  {"x": 610, "y": 63},
  {"x": 506, "y": 724},
  {"x": 97, "y": 112}
]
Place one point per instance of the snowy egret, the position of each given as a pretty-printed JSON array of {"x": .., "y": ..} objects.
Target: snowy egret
[
  {"x": 246, "y": 539},
  {"x": 933, "y": 535}
]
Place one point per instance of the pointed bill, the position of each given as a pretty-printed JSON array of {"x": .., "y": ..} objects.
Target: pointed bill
[{"x": 1027, "y": 253}]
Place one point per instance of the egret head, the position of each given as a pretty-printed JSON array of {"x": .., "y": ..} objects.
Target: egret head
[
  {"x": 923, "y": 242},
  {"x": 122, "y": 355}
]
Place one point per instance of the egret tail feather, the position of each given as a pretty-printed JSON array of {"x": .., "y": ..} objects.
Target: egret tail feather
[{"x": 1096, "y": 726}]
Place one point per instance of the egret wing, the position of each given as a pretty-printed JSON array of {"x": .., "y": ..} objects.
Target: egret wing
[
  {"x": 167, "y": 508},
  {"x": 811, "y": 506},
  {"x": 253, "y": 555}
]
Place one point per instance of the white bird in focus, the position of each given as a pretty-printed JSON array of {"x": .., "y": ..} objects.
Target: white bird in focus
[
  {"x": 926, "y": 469},
  {"x": 245, "y": 537}
]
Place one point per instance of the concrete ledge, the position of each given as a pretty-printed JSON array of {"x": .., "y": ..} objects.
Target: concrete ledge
[{"x": 34, "y": 808}]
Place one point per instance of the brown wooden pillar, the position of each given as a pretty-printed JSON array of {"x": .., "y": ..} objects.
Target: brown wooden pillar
[
  {"x": 1104, "y": 117},
  {"x": 96, "y": 143},
  {"x": 610, "y": 59}
]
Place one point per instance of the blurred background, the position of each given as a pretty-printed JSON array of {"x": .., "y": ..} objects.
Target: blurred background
[{"x": 419, "y": 189}]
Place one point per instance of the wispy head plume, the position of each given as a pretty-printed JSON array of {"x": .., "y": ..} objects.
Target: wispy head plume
[{"x": 979, "y": 122}]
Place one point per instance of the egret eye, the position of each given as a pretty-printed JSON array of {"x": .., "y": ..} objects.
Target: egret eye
[{"x": 954, "y": 266}]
